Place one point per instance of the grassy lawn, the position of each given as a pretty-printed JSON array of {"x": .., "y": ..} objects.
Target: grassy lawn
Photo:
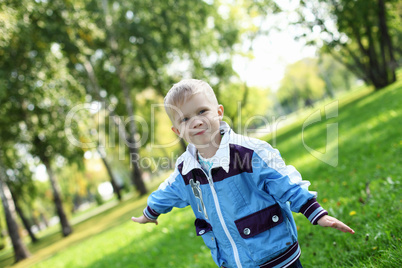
[{"x": 363, "y": 189}]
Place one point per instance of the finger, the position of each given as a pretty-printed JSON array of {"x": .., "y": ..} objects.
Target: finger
[
  {"x": 347, "y": 229},
  {"x": 138, "y": 220},
  {"x": 143, "y": 220},
  {"x": 342, "y": 227},
  {"x": 134, "y": 219}
]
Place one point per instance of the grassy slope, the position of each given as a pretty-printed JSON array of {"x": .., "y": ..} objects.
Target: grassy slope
[{"x": 363, "y": 190}]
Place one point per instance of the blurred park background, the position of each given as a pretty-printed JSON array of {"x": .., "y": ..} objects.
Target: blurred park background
[{"x": 84, "y": 137}]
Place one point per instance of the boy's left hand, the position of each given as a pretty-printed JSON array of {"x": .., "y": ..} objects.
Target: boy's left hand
[{"x": 328, "y": 221}]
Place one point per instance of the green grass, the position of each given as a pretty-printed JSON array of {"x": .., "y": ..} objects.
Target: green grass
[{"x": 363, "y": 190}]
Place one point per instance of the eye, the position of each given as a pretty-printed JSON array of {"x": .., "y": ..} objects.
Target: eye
[
  {"x": 185, "y": 119},
  {"x": 202, "y": 111}
]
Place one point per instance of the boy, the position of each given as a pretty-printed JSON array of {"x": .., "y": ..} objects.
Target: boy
[{"x": 239, "y": 188}]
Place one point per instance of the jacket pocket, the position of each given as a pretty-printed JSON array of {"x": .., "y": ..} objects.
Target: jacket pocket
[
  {"x": 204, "y": 229},
  {"x": 259, "y": 221}
]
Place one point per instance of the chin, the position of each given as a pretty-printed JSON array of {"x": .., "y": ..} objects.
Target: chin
[{"x": 198, "y": 142}]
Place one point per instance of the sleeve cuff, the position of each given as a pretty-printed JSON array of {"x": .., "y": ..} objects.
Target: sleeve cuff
[
  {"x": 150, "y": 214},
  {"x": 313, "y": 211}
]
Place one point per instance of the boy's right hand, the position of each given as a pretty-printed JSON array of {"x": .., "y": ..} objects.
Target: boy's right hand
[{"x": 143, "y": 220}]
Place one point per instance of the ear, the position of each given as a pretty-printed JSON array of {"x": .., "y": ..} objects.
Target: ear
[
  {"x": 220, "y": 111},
  {"x": 176, "y": 131}
]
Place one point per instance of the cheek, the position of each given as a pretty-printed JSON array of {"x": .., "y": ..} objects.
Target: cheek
[
  {"x": 214, "y": 119},
  {"x": 183, "y": 129}
]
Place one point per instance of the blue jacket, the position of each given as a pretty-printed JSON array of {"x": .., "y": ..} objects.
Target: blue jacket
[{"x": 243, "y": 207}]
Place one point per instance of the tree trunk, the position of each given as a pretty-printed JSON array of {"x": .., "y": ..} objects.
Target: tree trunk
[
  {"x": 346, "y": 81},
  {"x": 377, "y": 75},
  {"x": 2, "y": 232},
  {"x": 20, "y": 251},
  {"x": 44, "y": 219},
  {"x": 387, "y": 49},
  {"x": 122, "y": 132},
  {"x": 328, "y": 86},
  {"x": 65, "y": 225},
  {"x": 35, "y": 220},
  {"x": 24, "y": 220},
  {"x": 373, "y": 42},
  {"x": 136, "y": 174},
  {"x": 116, "y": 188}
]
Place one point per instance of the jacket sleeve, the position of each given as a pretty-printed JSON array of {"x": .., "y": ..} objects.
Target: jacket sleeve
[
  {"x": 285, "y": 184},
  {"x": 171, "y": 193}
]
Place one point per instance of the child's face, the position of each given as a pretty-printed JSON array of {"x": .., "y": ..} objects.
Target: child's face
[{"x": 197, "y": 121}]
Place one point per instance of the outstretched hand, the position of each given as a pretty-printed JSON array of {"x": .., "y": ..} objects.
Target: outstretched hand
[
  {"x": 328, "y": 221},
  {"x": 143, "y": 220}
]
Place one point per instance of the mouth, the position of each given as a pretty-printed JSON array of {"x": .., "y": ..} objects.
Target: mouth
[{"x": 200, "y": 133}]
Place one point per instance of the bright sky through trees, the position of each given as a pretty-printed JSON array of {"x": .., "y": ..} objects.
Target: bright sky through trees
[
  {"x": 271, "y": 56},
  {"x": 273, "y": 52}
]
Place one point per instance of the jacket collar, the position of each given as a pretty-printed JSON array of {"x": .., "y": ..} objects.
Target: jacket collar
[{"x": 222, "y": 155}]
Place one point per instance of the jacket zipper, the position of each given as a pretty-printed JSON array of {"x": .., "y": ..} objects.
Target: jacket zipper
[{"x": 218, "y": 210}]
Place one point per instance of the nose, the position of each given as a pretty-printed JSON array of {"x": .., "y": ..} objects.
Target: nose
[{"x": 197, "y": 123}]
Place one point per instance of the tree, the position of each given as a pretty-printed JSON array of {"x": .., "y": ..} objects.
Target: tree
[
  {"x": 124, "y": 48},
  {"x": 23, "y": 218},
  {"x": 20, "y": 251},
  {"x": 336, "y": 76},
  {"x": 357, "y": 34},
  {"x": 113, "y": 181},
  {"x": 301, "y": 85},
  {"x": 39, "y": 92},
  {"x": 19, "y": 182},
  {"x": 245, "y": 107}
]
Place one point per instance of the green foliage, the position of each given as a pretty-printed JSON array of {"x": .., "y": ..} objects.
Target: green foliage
[
  {"x": 395, "y": 29},
  {"x": 39, "y": 89},
  {"x": 301, "y": 85},
  {"x": 335, "y": 75},
  {"x": 45, "y": 49},
  {"x": 244, "y": 106},
  {"x": 362, "y": 34}
]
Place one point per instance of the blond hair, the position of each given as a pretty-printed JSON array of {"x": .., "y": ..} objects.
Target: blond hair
[{"x": 183, "y": 90}]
